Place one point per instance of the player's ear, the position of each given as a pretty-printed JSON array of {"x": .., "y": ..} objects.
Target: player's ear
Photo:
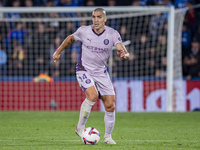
[{"x": 105, "y": 19}]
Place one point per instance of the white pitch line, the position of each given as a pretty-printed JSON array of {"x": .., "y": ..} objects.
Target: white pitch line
[
  {"x": 193, "y": 141},
  {"x": 42, "y": 140},
  {"x": 163, "y": 140}
]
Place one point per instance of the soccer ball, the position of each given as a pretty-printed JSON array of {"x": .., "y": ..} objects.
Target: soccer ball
[{"x": 90, "y": 136}]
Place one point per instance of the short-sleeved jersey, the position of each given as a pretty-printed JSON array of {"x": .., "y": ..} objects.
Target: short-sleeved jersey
[{"x": 96, "y": 48}]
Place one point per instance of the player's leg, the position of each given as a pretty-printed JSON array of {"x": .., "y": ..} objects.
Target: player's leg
[
  {"x": 109, "y": 118},
  {"x": 87, "y": 84},
  {"x": 107, "y": 95},
  {"x": 91, "y": 97}
]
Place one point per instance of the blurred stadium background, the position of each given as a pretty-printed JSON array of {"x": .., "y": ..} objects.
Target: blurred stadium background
[{"x": 29, "y": 81}]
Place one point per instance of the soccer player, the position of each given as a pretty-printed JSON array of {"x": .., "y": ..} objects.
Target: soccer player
[{"x": 91, "y": 71}]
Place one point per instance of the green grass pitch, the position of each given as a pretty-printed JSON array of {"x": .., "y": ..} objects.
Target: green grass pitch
[{"x": 133, "y": 131}]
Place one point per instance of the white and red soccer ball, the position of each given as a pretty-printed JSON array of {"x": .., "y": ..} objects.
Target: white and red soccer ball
[{"x": 90, "y": 136}]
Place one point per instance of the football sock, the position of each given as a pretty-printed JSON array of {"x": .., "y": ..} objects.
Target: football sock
[
  {"x": 109, "y": 120},
  {"x": 84, "y": 113}
]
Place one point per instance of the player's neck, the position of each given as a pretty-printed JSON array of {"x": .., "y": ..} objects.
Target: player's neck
[{"x": 99, "y": 31}]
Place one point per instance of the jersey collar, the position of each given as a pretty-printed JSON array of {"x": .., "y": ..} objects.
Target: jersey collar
[{"x": 97, "y": 33}]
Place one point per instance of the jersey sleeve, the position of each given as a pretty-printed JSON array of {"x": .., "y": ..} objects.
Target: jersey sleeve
[
  {"x": 77, "y": 34},
  {"x": 116, "y": 38}
]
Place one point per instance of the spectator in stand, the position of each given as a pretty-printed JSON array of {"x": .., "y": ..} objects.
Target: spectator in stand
[
  {"x": 16, "y": 61},
  {"x": 151, "y": 61},
  {"x": 191, "y": 64},
  {"x": 112, "y": 22},
  {"x": 141, "y": 48},
  {"x": 80, "y": 2},
  {"x": 13, "y": 15},
  {"x": 111, "y": 3},
  {"x": 52, "y": 27},
  {"x": 3, "y": 33},
  {"x": 55, "y": 2},
  {"x": 159, "y": 2},
  {"x": 156, "y": 24},
  {"x": 161, "y": 68},
  {"x": 72, "y": 53},
  {"x": 3, "y": 61},
  {"x": 161, "y": 47},
  {"x": 66, "y": 28},
  {"x": 123, "y": 68},
  {"x": 186, "y": 40},
  {"x": 167, "y": 3},
  {"x": 9, "y": 3},
  {"x": 180, "y": 3},
  {"x": 75, "y": 57},
  {"x": 90, "y": 3},
  {"x": 136, "y": 3},
  {"x": 56, "y": 70},
  {"x": 39, "y": 54},
  {"x": 50, "y": 3},
  {"x": 28, "y": 3},
  {"x": 190, "y": 17},
  {"x": 17, "y": 33},
  {"x": 68, "y": 3},
  {"x": 1, "y": 5},
  {"x": 161, "y": 59}
]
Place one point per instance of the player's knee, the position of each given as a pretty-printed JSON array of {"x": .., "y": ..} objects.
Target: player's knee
[
  {"x": 92, "y": 97},
  {"x": 110, "y": 108}
]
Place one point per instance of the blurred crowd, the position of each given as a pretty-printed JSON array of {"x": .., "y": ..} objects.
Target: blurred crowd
[
  {"x": 29, "y": 46},
  {"x": 74, "y": 3}
]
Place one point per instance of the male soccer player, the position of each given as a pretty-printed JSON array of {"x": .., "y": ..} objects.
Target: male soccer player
[{"x": 91, "y": 71}]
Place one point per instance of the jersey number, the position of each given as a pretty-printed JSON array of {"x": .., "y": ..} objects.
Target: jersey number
[{"x": 84, "y": 77}]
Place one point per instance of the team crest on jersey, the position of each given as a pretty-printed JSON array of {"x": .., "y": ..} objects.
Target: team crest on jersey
[{"x": 106, "y": 41}]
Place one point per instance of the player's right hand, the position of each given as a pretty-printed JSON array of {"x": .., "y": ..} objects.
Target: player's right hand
[{"x": 55, "y": 57}]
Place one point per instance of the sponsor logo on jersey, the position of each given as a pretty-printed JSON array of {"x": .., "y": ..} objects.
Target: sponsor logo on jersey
[
  {"x": 89, "y": 39},
  {"x": 97, "y": 48}
]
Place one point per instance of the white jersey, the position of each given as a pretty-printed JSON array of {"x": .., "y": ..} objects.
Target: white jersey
[{"x": 96, "y": 48}]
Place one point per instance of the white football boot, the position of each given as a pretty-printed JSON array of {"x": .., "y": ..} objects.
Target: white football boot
[
  {"x": 79, "y": 132},
  {"x": 109, "y": 140}
]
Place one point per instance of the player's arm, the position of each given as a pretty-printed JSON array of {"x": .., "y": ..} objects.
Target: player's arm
[
  {"x": 67, "y": 42},
  {"x": 122, "y": 52}
]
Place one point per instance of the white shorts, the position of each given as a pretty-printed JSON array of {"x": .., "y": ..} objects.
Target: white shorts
[{"x": 102, "y": 83}]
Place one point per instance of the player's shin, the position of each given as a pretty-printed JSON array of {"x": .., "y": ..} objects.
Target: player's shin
[
  {"x": 84, "y": 113},
  {"x": 109, "y": 120}
]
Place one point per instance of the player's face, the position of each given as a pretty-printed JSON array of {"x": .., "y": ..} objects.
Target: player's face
[{"x": 98, "y": 19}]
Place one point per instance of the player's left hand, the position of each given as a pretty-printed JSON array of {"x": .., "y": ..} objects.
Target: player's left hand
[
  {"x": 126, "y": 56},
  {"x": 120, "y": 53}
]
